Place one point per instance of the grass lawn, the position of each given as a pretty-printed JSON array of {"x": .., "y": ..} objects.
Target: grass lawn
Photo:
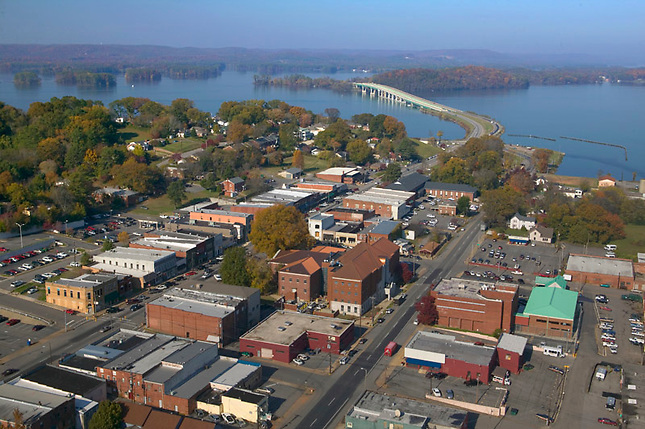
[
  {"x": 161, "y": 205},
  {"x": 633, "y": 243},
  {"x": 183, "y": 145},
  {"x": 313, "y": 164},
  {"x": 571, "y": 180},
  {"x": 426, "y": 150},
  {"x": 132, "y": 133}
]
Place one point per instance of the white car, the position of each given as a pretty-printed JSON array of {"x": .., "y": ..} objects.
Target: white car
[
  {"x": 75, "y": 264},
  {"x": 436, "y": 392},
  {"x": 228, "y": 418},
  {"x": 298, "y": 362},
  {"x": 344, "y": 360},
  {"x": 218, "y": 277},
  {"x": 303, "y": 356},
  {"x": 28, "y": 266}
]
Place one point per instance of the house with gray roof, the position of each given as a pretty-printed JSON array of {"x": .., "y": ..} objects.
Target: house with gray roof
[{"x": 519, "y": 221}]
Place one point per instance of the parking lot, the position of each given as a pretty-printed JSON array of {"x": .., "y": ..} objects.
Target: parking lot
[
  {"x": 521, "y": 262},
  {"x": 616, "y": 313}
]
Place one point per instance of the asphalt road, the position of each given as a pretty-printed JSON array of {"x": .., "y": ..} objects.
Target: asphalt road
[{"x": 332, "y": 405}]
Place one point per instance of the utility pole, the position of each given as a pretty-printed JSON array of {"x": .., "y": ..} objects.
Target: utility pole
[
  {"x": 365, "y": 379},
  {"x": 20, "y": 226},
  {"x": 329, "y": 351}
]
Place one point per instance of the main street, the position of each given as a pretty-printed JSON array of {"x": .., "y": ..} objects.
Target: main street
[{"x": 327, "y": 408}]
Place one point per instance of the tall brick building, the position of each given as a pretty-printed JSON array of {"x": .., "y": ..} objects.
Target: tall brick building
[
  {"x": 599, "y": 270},
  {"x": 476, "y": 306}
]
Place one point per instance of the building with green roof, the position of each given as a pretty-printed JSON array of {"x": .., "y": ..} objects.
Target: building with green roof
[
  {"x": 557, "y": 281},
  {"x": 549, "y": 312}
]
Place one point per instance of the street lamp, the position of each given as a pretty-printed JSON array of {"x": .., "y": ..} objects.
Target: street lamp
[
  {"x": 20, "y": 226},
  {"x": 66, "y": 226},
  {"x": 364, "y": 379}
]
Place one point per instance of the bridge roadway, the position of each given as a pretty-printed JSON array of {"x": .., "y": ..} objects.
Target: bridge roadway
[
  {"x": 478, "y": 124},
  {"x": 349, "y": 380}
]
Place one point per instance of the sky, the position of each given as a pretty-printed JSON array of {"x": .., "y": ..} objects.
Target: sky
[{"x": 611, "y": 27}]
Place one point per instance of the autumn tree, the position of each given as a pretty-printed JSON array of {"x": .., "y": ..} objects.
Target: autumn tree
[
  {"x": 521, "y": 180},
  {"x": 453, "y": 171},
  {"x": 541, "y": 159},
  {"x": 500, "y": 204},
  {"x": 359, "y": 151},
  {"x": 279, "y": 228},
  {"x": 108, "y": 416},
  {"x": 261, "y": 275},
  {"x": 427, "y": 310},
  {"x": 234, "y": 267},
  {"x": 298, "y": 160},
  {"x": 332, "y": 113},
  {"x": 124, "y": 238}
]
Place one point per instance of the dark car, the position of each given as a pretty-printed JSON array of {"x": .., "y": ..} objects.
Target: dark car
[
  {"x": 37, "y": 327},
  {"x": 362, "y": 341},
  {"x": 3, "y": 318},
  {"x": 106, "y": 328},
  {"x": 380, "y": 320},
  {"x": 113, "y": 310},
  {"x": 135, "y": 307},
  {"x": 9, "y": 371}
]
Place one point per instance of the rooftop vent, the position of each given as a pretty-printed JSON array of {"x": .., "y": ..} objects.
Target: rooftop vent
[
  {"x": 281, "y": 328},
  {"x": 288, "y": 323}
]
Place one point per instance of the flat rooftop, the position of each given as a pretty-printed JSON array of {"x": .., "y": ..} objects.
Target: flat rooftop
[
  {"x": 466, "y": 288},
  {"x": 374, "y": 406},
  {"x": 601, "y": 265},
  {"x": 224, "y": 213},
  {"x": 197, "y": 301},
  {"x": 337, "y": 171},
  {"x": 173, "y": 242},
  {"x": 132, "y": 356},
  {"x": 32, "y": 404},
  {"x": 65, "y": 380},
  {"x": 134, "y": 254},
  {"x": 384, "y": 196},
  {"x": 451, "y": 348},
  {"x": 282, "y": 196},
  {"x": 86, "y": 280},
  {"x": 284, "y": 327}
]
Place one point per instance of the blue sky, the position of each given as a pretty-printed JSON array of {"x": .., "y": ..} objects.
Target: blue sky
[{"x": 511, "y": 26}]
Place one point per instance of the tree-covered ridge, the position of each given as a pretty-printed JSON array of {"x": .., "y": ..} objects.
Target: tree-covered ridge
[{"x": 458, "y": 78}]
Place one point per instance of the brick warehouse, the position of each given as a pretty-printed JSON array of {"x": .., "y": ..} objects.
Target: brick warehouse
[
  {"x": 443, "y": 353},
  {"x": 285, "y": 334},
  {"x": 599, "y": 270},
  {"x": 476, "y": 306},
  {"x": 216, "y": 312}
]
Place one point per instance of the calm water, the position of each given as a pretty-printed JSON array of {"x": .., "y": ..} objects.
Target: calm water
[{"x": 606, "y": 113}]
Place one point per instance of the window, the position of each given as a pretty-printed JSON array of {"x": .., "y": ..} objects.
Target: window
[
  {"x": 304, "y": 290},
  {"x": 290, "y": 279},
  {"x": 89, "y": 295},
  {"x": 48, "y": 291},
  {"x": 78, "y": 295},
  {"x": 58, "y": 292},
  {"x": 305, "y": 281},
  {"x": 507, "y": 357},
  {"x": 64, "y": 293},
  {"x": 143, "y": 267}
]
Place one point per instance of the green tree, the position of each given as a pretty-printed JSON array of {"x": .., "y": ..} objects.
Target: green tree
[
  {"x": 287, "y": 136},
  {"x": 86, "y": 258},
  {"x": 234, "y": 267},
  {"x": 463, "y": 205},
  {"x": 500, "y": 204},
  {"x": 176, "y": 192},
  {"x": 359, "y": 151},
  {"x": 108, "y": 416},
  {"x": 107, "y": 245},
  {"x": 392, "y": 172},
  {"x": 279, "y": 228},
  {"x": 261, "y": 275}
]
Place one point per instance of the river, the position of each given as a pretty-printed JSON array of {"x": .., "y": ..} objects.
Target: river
[{"x": 605, "y": 113}]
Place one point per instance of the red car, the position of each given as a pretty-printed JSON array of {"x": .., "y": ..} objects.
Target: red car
[
  {"x": 12, "y": 322},
  {"x": 3, "y": 249},
  {"x": 70, "y": 311},
  {"x": 191, "y": 273},
  {"x": 606, "y": 421}
]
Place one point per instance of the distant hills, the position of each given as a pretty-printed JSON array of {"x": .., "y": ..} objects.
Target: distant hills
[{"x": 117, "y": 58}]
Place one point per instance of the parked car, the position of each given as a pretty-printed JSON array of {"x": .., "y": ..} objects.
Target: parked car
[
  {"x": 606, "y": 421},
  {"x": 217, "y": 277},
  {"x": 228, "y": 418},
  {"x": 9, "y": 371},
  {"x": 344, "y": 360},
  {"x": 12, "y": 322},
  {"x": 70, "y": 311},
  {"x": 450, "y": 394},
  {"x": 113, "y": 310},
  {"x": 37, "y": 327},
  {"x": 17, "y": 283},
  {"x": 436, "y": 392},
  {"x": 136, "y": 307},
  {"x": 298, "y": 362}
]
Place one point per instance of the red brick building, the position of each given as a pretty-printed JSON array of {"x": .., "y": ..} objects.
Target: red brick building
[
  {"x": 600, "y": 270},
  {"x": 351, "y": 215},
  {"x": 300, "y": 272},
  {"x": 39, "y": 409},
  {"x": 233, "y": 186},
  {"x": 467, "y": 304},
  {"x": 216, "y": 312},
  {"x": 442, "y": 353},
  {"x": 510, "y": 352},
  {"x": 450, "y": 190},
  {"x": 360, "y": 274},
  {"x": 349, "y": 175},
  {"x": 285, "y": 334}
]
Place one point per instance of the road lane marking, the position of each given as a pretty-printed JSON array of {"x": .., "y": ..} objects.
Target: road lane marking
[
  {"x": 330, "y": 402},
  {"x": 312, "y": 423}
]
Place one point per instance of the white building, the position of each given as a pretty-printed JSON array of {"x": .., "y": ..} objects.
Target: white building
[
  {"x": 150, "y": 266},
  {"x": 518, "y": 222}
]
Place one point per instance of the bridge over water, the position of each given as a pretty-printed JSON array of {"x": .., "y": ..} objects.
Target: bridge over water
[{"x": 479, "y": 125}]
